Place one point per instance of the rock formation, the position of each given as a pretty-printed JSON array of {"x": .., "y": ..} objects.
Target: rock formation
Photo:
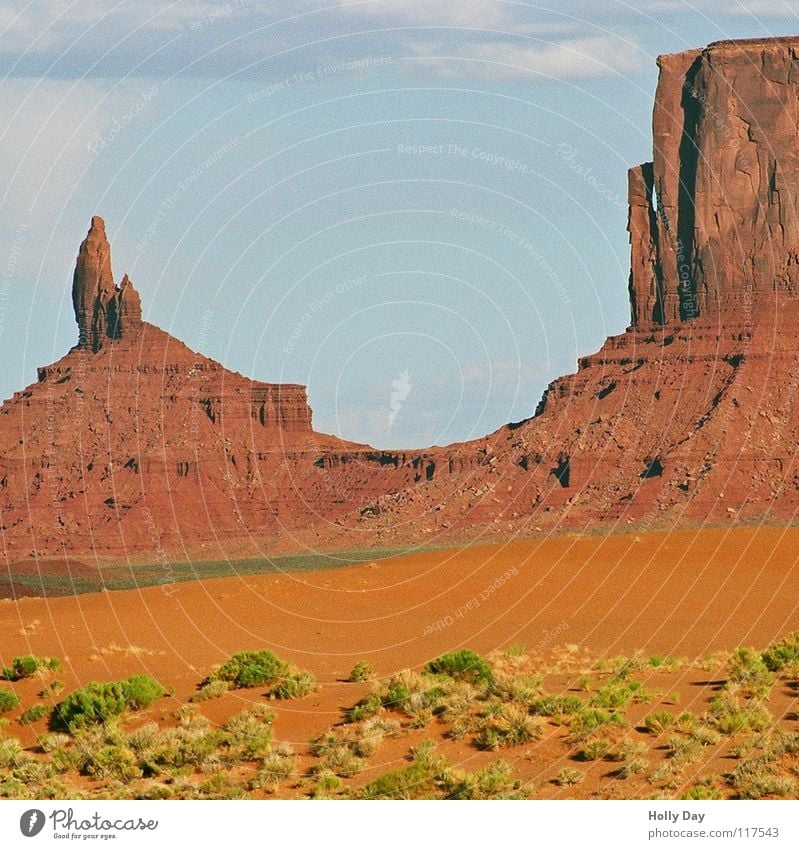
[
  {"x": 713, "y": 217},
  {"x": 103, "y": 310},
  {"x": 133, "y": 444}
]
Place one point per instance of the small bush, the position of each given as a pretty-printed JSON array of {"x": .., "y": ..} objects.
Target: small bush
[
  {"x": 557, "y": 706},
  {"x": 28, "y": 665},
  {"x": 569, "y": 776},
  {"x": 251, "y": 669},
  {"x": 594, "y": 750},
  {"x": 34, "y": 714},
  {"x": 730, "y": 716},
  {"x": 211, "y": 690},
  {"x": 494, "y": 781},
  {"x": 54, "y": 688},
  {"x": 748, "y": 670},
  {"x": 8, "y": 700},
  {"x": 701, "y": 792},
  {"x": 263, "y": 668},
  {"x": 782, "y": 653},
  {"x": 116, "y": 761},
  {"x": 294, "y": 685},
  {"x": 508, "y": 726},
  {"x": 658, "y": 721},
  {"x": 465, "y": 664},
  {"x": 327, "y": 786},
  {"x": 362, "y": 671},
  {"x": 584, "y": 724},
  {"x": 98, "y": 702}
]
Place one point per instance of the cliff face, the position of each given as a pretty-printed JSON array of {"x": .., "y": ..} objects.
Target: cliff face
[{"x": 714, "y": 228}]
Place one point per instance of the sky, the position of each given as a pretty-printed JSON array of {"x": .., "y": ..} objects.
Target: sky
[{"x": 415, "y": 208}]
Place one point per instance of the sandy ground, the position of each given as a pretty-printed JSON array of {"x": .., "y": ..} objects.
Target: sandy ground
[{"x": 684, "y": 594}]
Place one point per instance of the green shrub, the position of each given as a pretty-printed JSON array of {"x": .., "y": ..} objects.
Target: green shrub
[
  {"x": 53, "y": 688},
  {"x": 211, "y": 690},
  {"x": 494, "y": 781},
  {"x": 701, "y": 792},
  {"x": 98, "y": 702},
  {"x": 564, "y": 705},
  {"x": 362, "y": 671},
  {"x": 508, "y": 726},
  {"x": 8, "y": 700},
  {"x": 730, "y": 716},
  {"x": 251, "y": 669},
  {"x": 263, "y": 668},
  {"x": 658, "y": 721},
  {"x": 748, "y": 670},
  {"x": 326, "y": 787},
  {"x": 294, "y": 685},
  {"x": 425, "y": 778},
  {"x": 28, "y": 665},
  {"x": 594, "y": 750},
  {"x": 569, "y": 776},
  {"x": 783, "y": 652},
  {"x": 34, "y": 714},
  {"x": 584, "y": 724},
  {"x": 510, "y": 687},
  {"x": 115, "y": 761},
  {"x": 464, "y": 664},
  {"x": 619, "y": 693}
]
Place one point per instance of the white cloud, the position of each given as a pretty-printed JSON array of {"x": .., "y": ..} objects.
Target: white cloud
[
  {"x": 762, "y": 8},
  {"x": 598, "y": 56},
  {"x": 456, "y": 13}
]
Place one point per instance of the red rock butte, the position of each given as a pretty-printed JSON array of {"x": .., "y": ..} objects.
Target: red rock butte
[{"x": 134, "y": 444}]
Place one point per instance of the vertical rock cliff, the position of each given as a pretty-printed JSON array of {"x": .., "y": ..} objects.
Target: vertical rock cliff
[{"x": 715, "y": 228}]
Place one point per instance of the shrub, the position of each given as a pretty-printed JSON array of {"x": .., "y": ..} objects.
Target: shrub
[
  {"x": 251, "y": 669},
  {"x": 730, "y": 716},
  {"x": 425, "y": 778},
  {"x": 569, "y": 776},
  {"x": 584, "y": 724},
  {"x": 465, "y": 664},
  {"x": 294, "y": 685},
  {"x": 8, "y": 700},
  {"x": 115, "y": 761},
  {"x": 619, "y": 693},
  {"x": 34, "y": 714},
  {"x": 508, "y": 726},
  {"x": 748, "y": 670},
  {"x": 28, "y": 665},
  {"x": 52, "y": 689},
  {"x": 211, "y": 690},
  {"x": 701, "y": 792},
  {"x": 516, "y": 688},
  {"x": 658, "y": 721},
  {"x": 416, "y": 695},
  {"x": 362, "y": 671},
  {"x": 494, "y": 781},
  {"x": 277, "y": 766},
  {"x": 558, "y": 706},
  {"x": 594, "y": 750},
  {"x": 327, "y": 785},
  {"x": 98, "y": 702},
  {"x": 263, "y": 668},
  {"x": 759, "y": 777},
  {"x": 783, "y": 652}
]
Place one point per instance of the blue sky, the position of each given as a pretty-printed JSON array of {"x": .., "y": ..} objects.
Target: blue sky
[{"x": 415, "y": 208}]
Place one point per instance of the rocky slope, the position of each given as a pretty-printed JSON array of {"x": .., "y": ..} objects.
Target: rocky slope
[{"x": 134, "y": 444}]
